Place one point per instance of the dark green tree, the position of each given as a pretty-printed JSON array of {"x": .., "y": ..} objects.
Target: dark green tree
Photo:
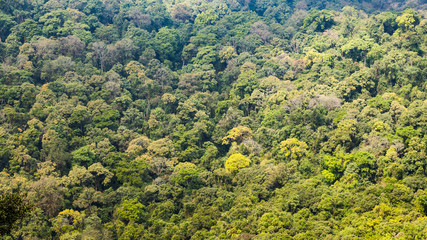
[{"x": 13, "y": 207}]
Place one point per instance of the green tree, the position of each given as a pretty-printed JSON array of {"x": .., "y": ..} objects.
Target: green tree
[
  {"x": 186, "y": 174},
  {"x": 53, "y": 21},
  {"x": 206, "y": 55},
  {"x": 108, "y": 119},
  {"x": 318, "y": 21},
  {"x": 79, "y": 118},
  {"x": 131, "y": 211},
  {"x": 134, "y": 173},
  {"x": 167, "y": 43},
  {"x": 6, "y": 23},
  {"x": 335, "y": 167},
  {"x": 83, "y": 156},
  {"x": 357, "y": 49},
  {"x": 208, "y": 17},
  {"x": 4, "y": 149},
  {"x": 245, "y": 84}
]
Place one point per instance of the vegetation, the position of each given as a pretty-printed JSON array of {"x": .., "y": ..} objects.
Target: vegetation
[
  {"x": 213, "y": 120},
  {"x": 12, "y": 209}
]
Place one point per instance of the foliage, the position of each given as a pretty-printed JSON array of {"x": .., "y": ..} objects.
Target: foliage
[
  {"x": 237, "y": 134},
  {"x": 13, "y": 207},
  {"x": 293, "y": 148},
  {"x": 130, "y": 210},
  {"x": 318, "y": 21},
  {"x": 236, "y": 162},
  {"x": 260, "y": 119},
  {"x": 67, "y": 221}
]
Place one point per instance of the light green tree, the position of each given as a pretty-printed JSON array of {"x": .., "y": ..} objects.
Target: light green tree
[{"x": 130, "y": 210}]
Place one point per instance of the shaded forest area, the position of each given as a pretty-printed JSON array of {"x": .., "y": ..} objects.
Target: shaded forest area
[{"x": 191, "y": 119}]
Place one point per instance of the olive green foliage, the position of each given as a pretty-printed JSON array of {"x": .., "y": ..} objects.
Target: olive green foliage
[{"x": 258, "y": 119}]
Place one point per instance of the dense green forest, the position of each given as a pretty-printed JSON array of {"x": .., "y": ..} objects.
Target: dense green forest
[{"x": 193, "y": 119}]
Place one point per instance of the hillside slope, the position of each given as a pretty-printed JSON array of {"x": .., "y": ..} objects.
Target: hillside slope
[{"x": 215, "y": 120}]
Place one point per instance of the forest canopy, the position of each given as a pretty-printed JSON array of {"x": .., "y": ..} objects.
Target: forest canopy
[{"x": 192, "y": 119}]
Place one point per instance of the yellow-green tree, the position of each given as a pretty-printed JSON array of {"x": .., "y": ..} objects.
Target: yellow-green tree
[
  {"x": 236, "y": 162},
  {"x": 293, "y": 148},
  {"x": 130, "y": 211},
  {"x": 237, "y": 134},
  {"x": 408, "y": 20},
  {"x": 67, "y": 221}
]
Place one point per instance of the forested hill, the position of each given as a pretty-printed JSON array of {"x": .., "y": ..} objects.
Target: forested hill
[{"x": 193, "y": 119}]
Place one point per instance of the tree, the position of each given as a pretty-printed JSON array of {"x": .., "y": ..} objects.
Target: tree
[
  {"x": 367, "y": 165},
  {"x": 206, "y": 55},
  {"x": 6, "y": 23},
  {"x": 237, "y": 134},
  {"x": 133, "y": 173},
  {"x": 99, "y": 54},
  {"x": 186, "y": 174},
  {"x": 162, "y": 148},
  {"x": 408, "y": 20},
  {"x": 87, "y": 197},
  {"x": 4, "y": 149},
  {"x": 72, "y": 46},
  {"x": 54, "y": 148},
  {"x": 126, "y": 50},
  {"x": 47, "y": 194},
  {"x": 67, "y": 221},
  {"x": 53, "y": 69},
  {"x": 83, "y": 156},
  {"x": 13, "y": 207},
  {"x": 357, "y": 49},
  {"x": 181, "y": 12},
  {"x": 208, "y": 17},
  {"x": 261, "y": 29},
  {"x": 227, "y": 53},
  {"x": 79, "y": 118},
  {"x": 167, "y": 44},
  {"x": 78, "y": 176},
  {"x": 20, "y": 161},
  {"x": 236, "y": 162},
  {"x": 188, "y": 53},
  {"x": 53, "y": 21},
  {"x": 346, "y": 135},
  {"x": 130, "y": 211},
  {"x": 101, "y": 175},
  {"x": 108, "y": 119},
  {"x": 335, "y": 167},
  {"x": 318, "y": 21},
  {"x": 138, "y": 146},
  {"x": 246, "y": 83},
  {"x": 140, "y": 19},
  {"x": 293, "y": 148}
]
